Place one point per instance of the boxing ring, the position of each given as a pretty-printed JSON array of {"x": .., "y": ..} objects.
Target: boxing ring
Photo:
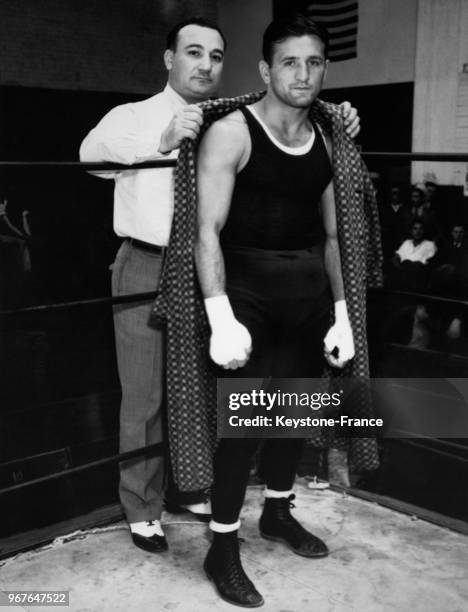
[{"x": 16, "y": 543}]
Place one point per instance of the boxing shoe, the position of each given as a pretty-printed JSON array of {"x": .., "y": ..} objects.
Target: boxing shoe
[
  {"x": 202, "y": 510},
  {"x": 223, "y": 566},
  {"x": 149, "y": 536},
  {"x": 278, "y": 524}
]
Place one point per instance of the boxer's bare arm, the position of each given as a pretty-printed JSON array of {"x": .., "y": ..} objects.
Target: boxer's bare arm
[
  {"x": 221, "y": 155},
  {"x": 332, "y": 249},
  {"x": 340, "y": 334}
]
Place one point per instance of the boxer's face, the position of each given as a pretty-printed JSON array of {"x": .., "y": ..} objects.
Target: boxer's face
[
  {"x": 297, "y": 71},
  {"x": 196, "y": 64}
]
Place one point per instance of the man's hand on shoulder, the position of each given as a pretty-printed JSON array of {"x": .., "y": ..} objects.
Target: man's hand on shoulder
[
  {"x": 351, "y": 119},
  {"x": 186, "y": 123}
]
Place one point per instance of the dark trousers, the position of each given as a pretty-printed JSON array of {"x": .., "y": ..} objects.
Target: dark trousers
[{"x": 283, "y": 299}]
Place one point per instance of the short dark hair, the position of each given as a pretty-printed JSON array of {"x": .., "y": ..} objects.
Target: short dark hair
[
  {"x": 171, "y": 41},
  {"x": 418, "y": 190},
  {"x": 292, "y": 24}
]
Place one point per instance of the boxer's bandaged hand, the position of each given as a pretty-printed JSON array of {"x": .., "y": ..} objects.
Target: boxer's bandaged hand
[
  {"x": 339, "y": 339},
  {"x": 230, "y": 347},
  {"x": 230, "y": 342}
]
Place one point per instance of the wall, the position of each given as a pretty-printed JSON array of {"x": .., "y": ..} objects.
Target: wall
[
  {"x": 386, "y": 121},
  {"x": 243, "y": 23},
  {"x": 94, "y": 45},
  {"x": 116, "y": 45},
  {"x": 441, "y": 88},
  {"x": 386, "y": 44}
]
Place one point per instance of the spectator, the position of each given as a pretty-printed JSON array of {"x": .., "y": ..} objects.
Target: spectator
[
  {"x": 417, "y": 199},
  {"x": 451, "y": 265},
  {"x": 423, "y": 209},
  {"x": 410, "y": 271},
  {"x": 412, "y": 261},
  {"x": 451, "y": 280},
  {"x": 453, "y": 251},
  {"x": 431, "y": 193},
  {"x": 395, "y": 218},
  {"x": 416, "y": 249}
]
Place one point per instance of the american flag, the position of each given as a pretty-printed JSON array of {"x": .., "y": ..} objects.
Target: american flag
[{"x": 339, "y": 17}]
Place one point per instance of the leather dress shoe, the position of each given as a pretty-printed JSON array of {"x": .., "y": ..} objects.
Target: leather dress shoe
[
  {"x": 175, "y": 508},
  {"x": 152, "y": 544},
  {"x": 277, "y": 524},
  {"x": 223, "y": 566}
]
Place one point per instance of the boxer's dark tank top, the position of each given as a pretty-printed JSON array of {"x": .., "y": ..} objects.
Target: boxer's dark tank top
[{"x": 275, "y": 202}]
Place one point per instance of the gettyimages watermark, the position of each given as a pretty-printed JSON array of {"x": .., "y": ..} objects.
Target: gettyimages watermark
[{"x": 301, "y": 408}]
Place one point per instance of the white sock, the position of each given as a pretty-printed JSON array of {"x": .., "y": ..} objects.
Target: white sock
[
  {"x": 224, "y": 527},
  {"x": 201, "y": 508},
  {"x": 277, "y": 494},
  {"x": 147, "y": 528}
]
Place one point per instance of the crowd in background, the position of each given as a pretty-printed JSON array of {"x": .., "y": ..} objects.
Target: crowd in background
[
  {"x": 424, "y": 239},
  {"x": 425, "y": 249}
]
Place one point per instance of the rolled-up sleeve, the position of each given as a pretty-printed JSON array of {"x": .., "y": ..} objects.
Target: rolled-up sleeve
[{"x": 119, "y": 138}]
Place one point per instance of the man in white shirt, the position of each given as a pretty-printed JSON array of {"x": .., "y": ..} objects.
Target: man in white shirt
[
  {"x": 416, "y": 249},
  {"x": 411, "y": 271},
  {"x": 143, "y": 208}
]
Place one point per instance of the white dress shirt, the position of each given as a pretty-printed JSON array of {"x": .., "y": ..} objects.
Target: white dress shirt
[
  {"x": 128, "y": 134},
  {"x": 420, "y": 252}
]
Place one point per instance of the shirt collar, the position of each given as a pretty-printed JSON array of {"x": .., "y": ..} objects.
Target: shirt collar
[{"x": 176, "y": 99}]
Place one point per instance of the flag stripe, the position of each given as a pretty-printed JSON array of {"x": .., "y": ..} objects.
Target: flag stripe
[
  {"x": 320, "y": 11},
  {"x": 337, "y": 46},
  {"x": 342, "y": 30},
  {"x": 343, "y": 55},
  {"x": 348, "y": 40},
  {"x": 326, "y": 21},
  {"x": 336, "y": 21}
]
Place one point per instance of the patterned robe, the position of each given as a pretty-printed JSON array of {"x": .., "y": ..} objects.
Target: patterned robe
[{"x": 191, "y": 385}]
